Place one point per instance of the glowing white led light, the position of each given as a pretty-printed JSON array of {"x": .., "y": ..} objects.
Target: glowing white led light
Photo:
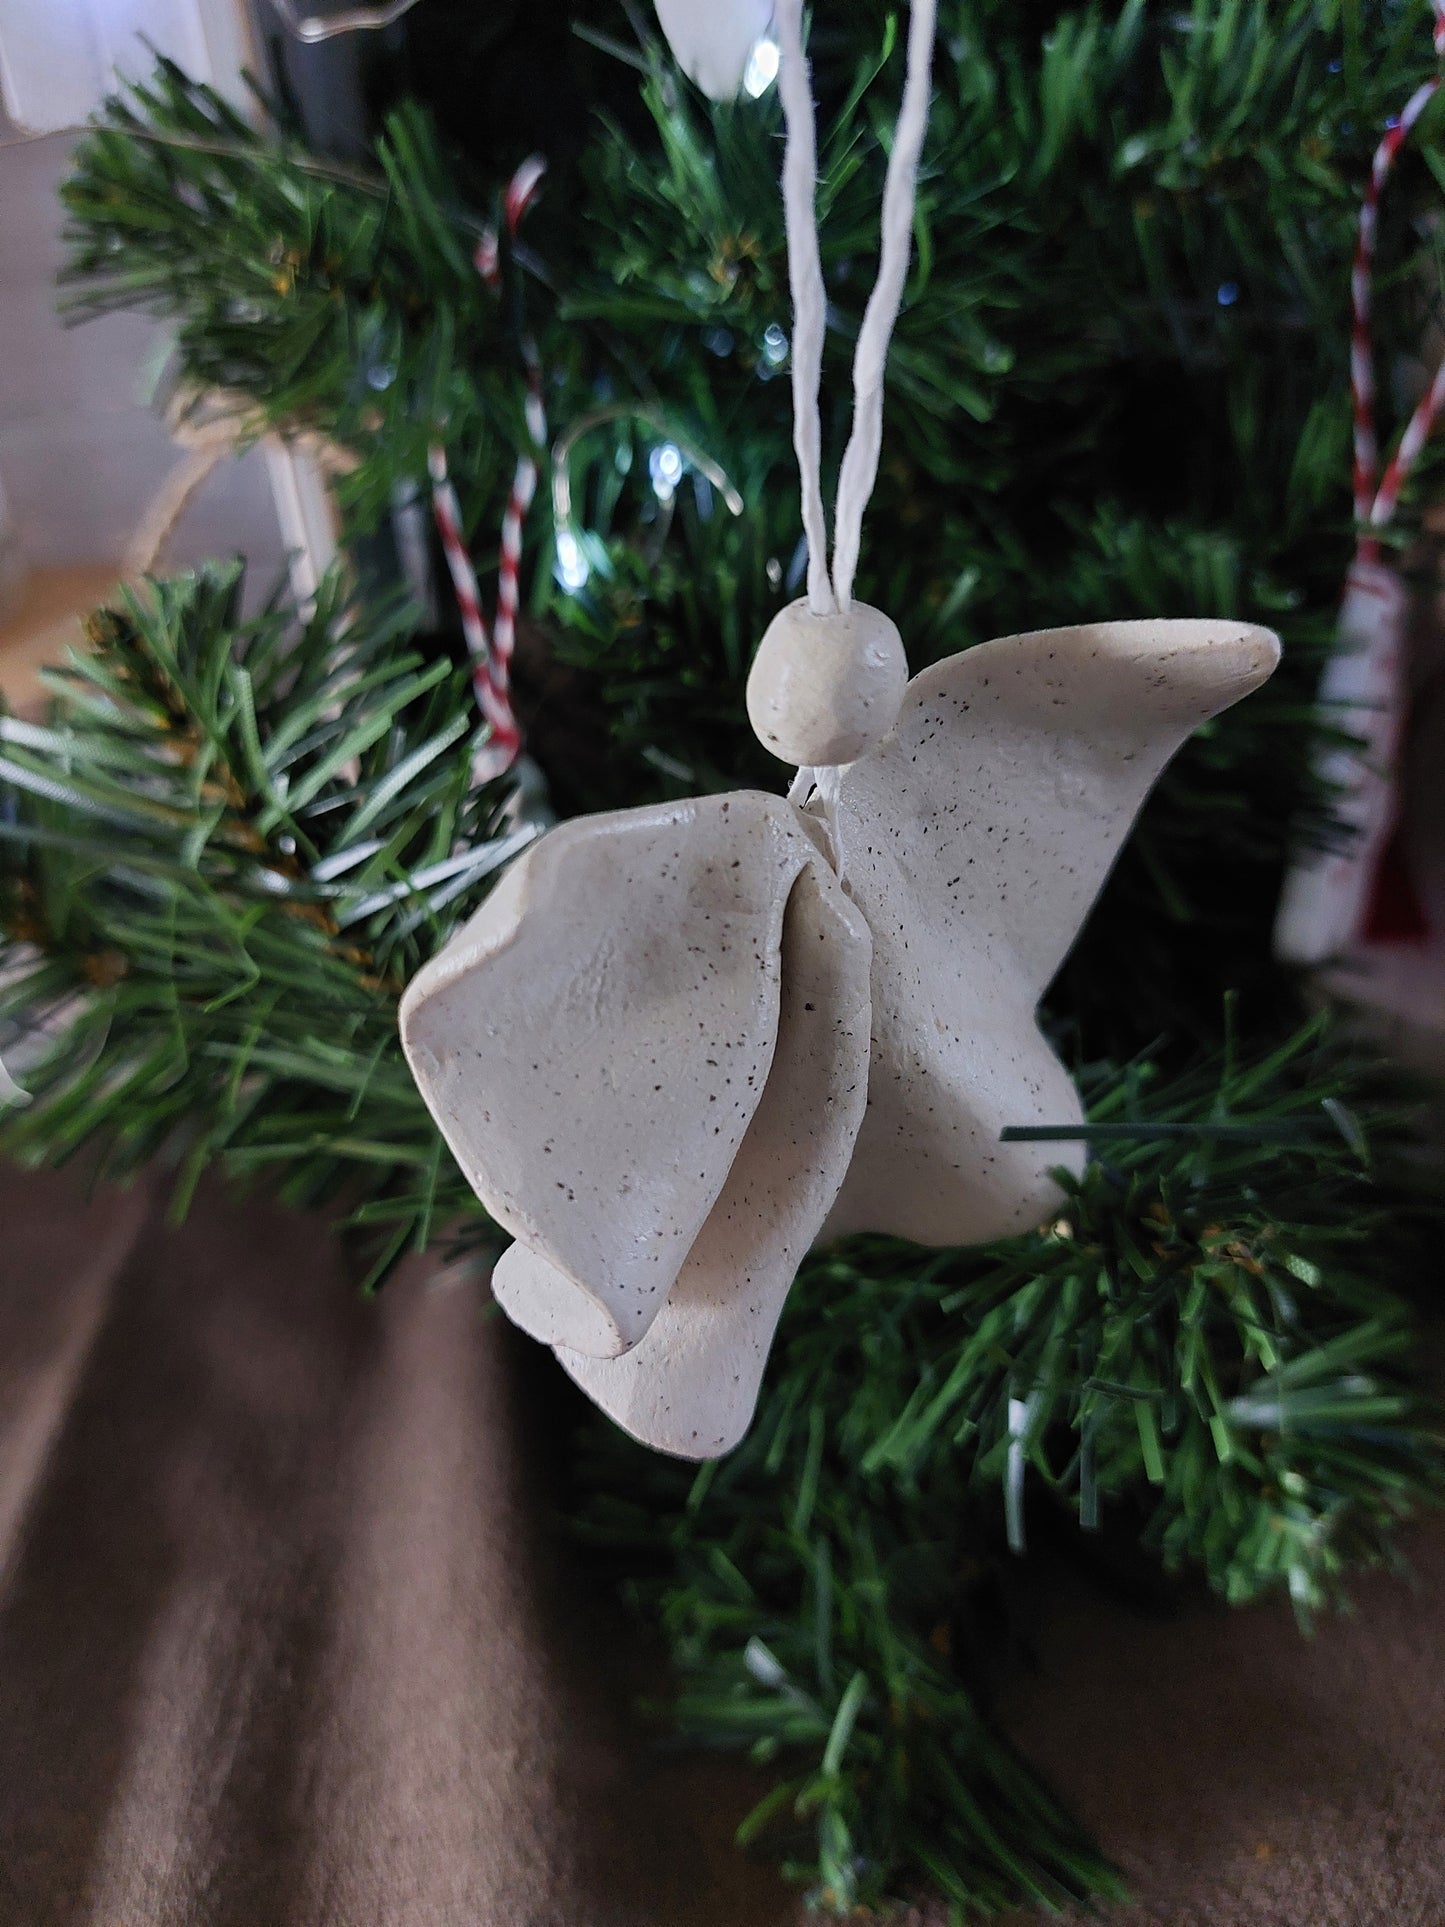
[
  {"x": 571, "y": 570},
  {"x": 775, "y": 345},
  {"x": 762, "y": 68},
  {"x": 664, "y": 465}
]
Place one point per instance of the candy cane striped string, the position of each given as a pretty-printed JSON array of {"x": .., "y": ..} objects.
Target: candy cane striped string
[
  {"x": 497, "y": 754},
  {"x": 521, "y": 192},
  {"x": 492, "y": 657},
  {"x": 1377, "y": 498},
  {"x": 524, "y": 487}
]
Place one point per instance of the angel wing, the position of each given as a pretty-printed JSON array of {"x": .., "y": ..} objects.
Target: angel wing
[
  {"x": 974, "y": 839},
  {"x": 648, "y": 1053},
  {"x": 691, "y": 1385}
]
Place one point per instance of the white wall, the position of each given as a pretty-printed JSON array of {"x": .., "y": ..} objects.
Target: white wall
[{"x": 82, "y": 452}]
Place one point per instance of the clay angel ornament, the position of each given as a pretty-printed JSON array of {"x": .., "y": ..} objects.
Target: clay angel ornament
[{"x": 680, "y": 1044}]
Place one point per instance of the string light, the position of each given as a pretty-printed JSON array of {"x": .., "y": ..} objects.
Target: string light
[
  {"x": 762, "y": 68},
  {"x": 664, "y": 465},
  {"x": 571, "y": 569},
  {"x": 667, "y": 462}
]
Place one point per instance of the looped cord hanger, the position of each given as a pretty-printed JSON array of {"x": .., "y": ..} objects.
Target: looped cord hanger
[{"x": 805, "y": 277}]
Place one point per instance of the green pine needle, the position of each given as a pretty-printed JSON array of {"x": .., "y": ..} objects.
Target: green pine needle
[
  {"x": 1206, "y": 1348},
  {"x": 188, "y": 851}
]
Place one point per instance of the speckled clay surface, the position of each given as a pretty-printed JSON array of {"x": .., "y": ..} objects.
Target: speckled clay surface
[
  {"x": 691, "y": 1385},
  {"x": 597, "y": 1041},
  {"x": 650, "y": 1053},
  {"x": 974, "y": 840}
]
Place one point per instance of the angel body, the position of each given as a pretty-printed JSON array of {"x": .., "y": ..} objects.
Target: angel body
[{"x": 679, "y": 1044}]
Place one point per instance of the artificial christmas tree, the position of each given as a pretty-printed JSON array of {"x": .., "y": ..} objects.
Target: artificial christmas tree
[{"x": 1118, "y": 384}]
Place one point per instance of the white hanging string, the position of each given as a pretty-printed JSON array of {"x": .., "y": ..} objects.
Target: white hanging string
[
  {"x": 860, "y": 461},
  {"x": 805, "y": 274},
  {"x": 805, "y": 278}
]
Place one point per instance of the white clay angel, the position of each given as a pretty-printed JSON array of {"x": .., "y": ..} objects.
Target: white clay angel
[{"x": 679, "y": 1044}]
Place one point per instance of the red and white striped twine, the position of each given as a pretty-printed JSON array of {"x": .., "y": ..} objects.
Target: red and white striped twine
[
  {"x": 1376, "y": 497},
  {"x": 509, "y": 561},
  {"x": 492, "y": 657}
]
